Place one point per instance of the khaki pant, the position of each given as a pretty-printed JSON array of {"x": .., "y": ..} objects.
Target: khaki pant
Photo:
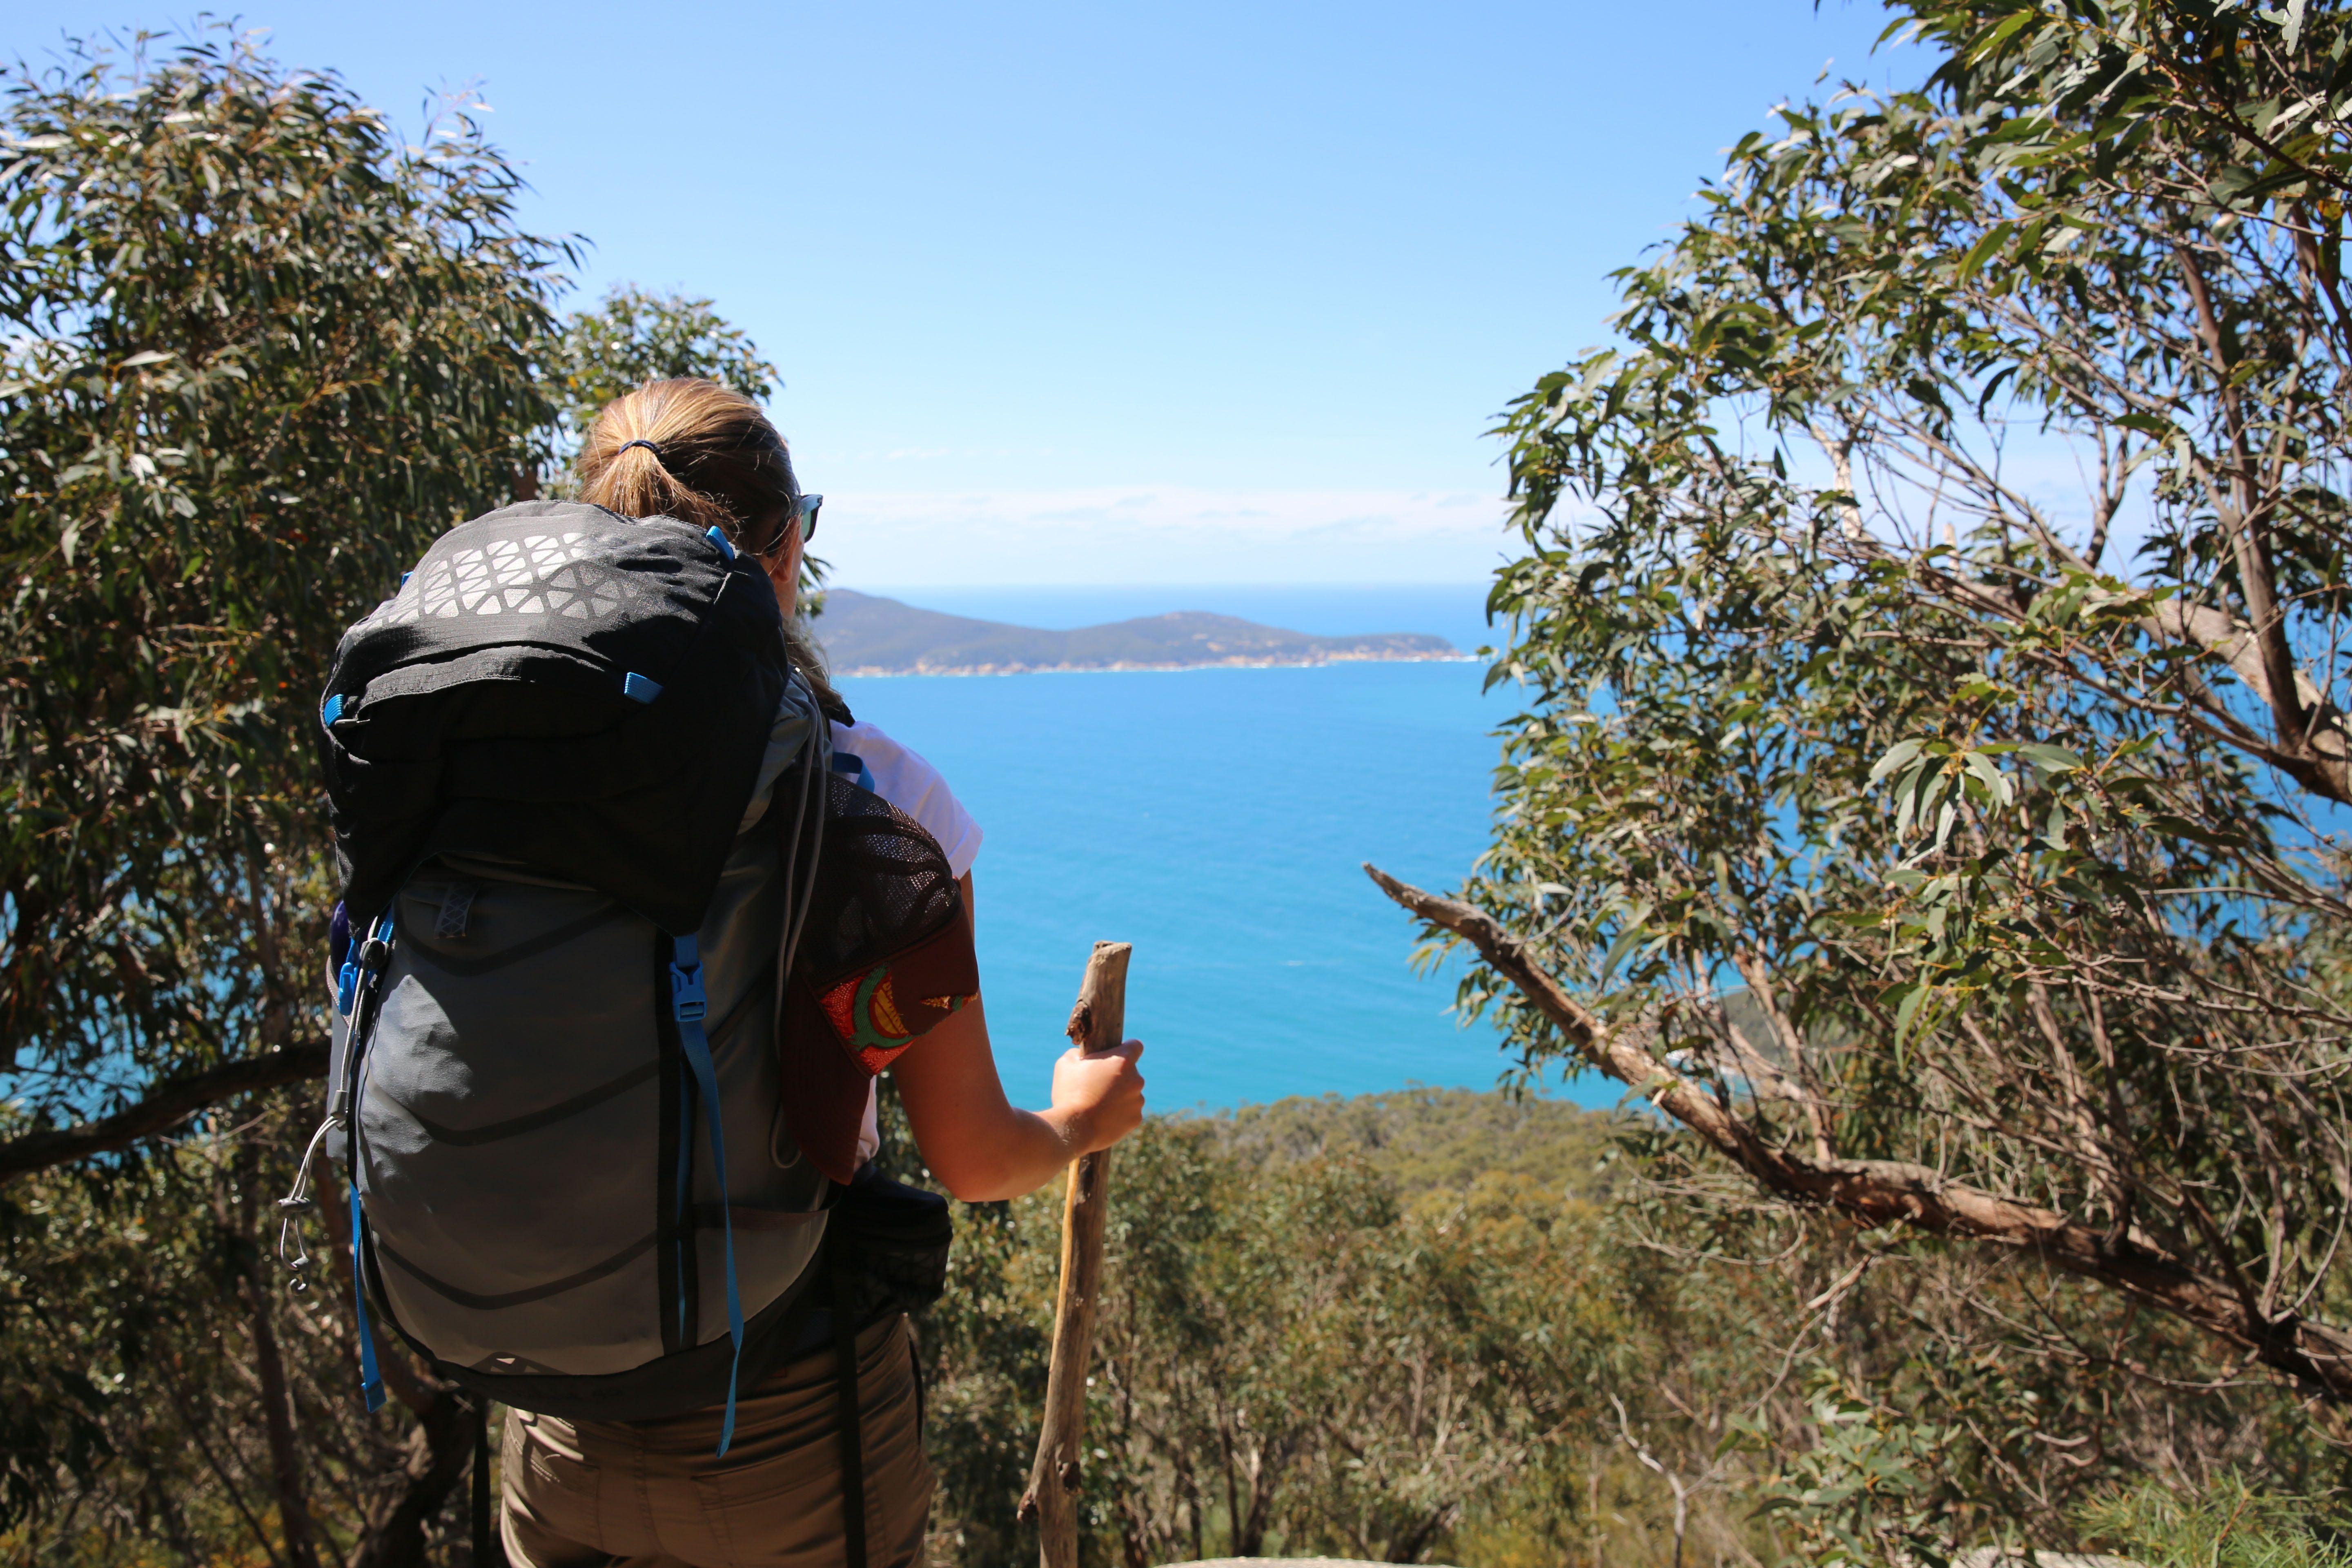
[{"x": 651, "y": 1494}]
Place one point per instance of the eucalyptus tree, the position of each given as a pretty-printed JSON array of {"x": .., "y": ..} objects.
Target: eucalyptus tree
[
  {"x": 257, "y": 353},
  {"x": 635, "y": 335},
  {"x": 1931, "y": 617}
]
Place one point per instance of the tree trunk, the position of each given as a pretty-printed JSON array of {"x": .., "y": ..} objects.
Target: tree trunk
[
  {"x": 277, "y": 1417},
  {"x": 436, "y": 1459},
  {"x": 167, "y": 1105},
  {"x": 269, "y": 1368}
]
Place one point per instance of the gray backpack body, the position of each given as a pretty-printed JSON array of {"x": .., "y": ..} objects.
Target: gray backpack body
[{"x": 543, "y": 1208}]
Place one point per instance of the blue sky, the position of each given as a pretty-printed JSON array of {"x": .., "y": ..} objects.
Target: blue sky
[{"x": 1076, "y": 293}]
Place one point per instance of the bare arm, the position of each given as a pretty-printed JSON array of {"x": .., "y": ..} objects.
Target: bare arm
[
  {"x": 982, "y": 1147},
  {"x": 978, "y": 1144}
]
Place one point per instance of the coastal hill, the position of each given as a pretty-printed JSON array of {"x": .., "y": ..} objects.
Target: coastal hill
[{"x": 864, "y": 634}]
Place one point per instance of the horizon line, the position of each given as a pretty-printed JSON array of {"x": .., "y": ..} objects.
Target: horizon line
[{"x": 1161, "y": 583}]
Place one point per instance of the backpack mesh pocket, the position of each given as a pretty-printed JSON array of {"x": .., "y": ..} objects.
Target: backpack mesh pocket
[
  {"x": 887, "y": 954},
  {"x": 883, "y": 885}
]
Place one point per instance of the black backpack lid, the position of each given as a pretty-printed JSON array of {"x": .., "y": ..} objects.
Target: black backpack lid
[{"x": 561, "y": 686}]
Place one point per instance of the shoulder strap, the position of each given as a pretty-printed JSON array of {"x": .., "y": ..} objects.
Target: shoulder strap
[{"x": 800, "y": 838}]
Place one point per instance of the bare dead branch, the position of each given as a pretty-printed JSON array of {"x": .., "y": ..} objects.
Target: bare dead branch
[{"x": 1886, "y": 1191}]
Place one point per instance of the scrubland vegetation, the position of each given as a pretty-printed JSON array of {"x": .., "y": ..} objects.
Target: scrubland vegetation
[
  {"x": 1927, "y": 802},
  {"x": 1371, "y": 1328}
]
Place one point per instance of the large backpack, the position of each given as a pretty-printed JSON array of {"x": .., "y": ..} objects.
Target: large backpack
[{"x": 581, "y": 799}]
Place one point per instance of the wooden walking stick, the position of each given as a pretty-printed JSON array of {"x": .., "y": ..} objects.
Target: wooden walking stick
[{"x": 1096, "y": 1024}]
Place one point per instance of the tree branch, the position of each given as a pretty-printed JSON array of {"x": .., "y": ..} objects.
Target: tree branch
[
  {"x": 2317, "y": 756},
  {"x": 2243, "y": 520},
  {"x": 172, "y": 1103},
  {"x": 1885, "y": 1192},
  {"x": 2320, "y": 744}
]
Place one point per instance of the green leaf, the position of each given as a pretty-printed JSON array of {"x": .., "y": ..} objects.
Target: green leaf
[
  {"x": 2001, "y": 32},
  {"x": 1996, "y": 783},
  {"x": 1627, "y": 940},
  {"x": 1914, "y": 997},
  {"x": 2212, "y": 838},
  {"x": 2051, "y": 758},
  {"x": 1987, "y": 247},
  {"x": 1902, "y": 753}
]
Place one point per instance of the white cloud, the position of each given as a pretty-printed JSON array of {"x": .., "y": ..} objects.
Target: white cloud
[{"x": 1162, "y": 533}]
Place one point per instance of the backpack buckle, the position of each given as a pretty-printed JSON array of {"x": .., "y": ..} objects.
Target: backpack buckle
[{"x": 688, "y": 1002}]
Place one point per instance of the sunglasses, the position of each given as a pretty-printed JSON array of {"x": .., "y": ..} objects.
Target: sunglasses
[{"x": 809, "y": 505}]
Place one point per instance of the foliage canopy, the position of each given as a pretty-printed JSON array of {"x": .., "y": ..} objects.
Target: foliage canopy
[
  {"x": 634, "y": 335},
  {"x": 254, "y": 354},
  {"x": 1931, "y": 619}
]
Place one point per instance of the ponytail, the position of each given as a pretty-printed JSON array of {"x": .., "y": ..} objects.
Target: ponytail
[{"x": 698, "y": 452}]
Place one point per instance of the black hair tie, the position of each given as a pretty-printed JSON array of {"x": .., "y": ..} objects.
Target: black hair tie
[{"x": 648, "y": 446}]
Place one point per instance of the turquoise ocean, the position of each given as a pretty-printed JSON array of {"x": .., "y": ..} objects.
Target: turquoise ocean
[{"x": 1218, "y": 819}]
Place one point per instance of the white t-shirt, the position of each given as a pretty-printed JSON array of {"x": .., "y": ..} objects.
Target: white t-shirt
[{"x": 908, "y": 782}]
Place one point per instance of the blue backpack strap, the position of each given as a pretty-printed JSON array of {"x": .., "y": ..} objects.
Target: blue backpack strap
[
  {"x": 688, "y": 1004},
  {"x": 852, "y": 767},
  {"x": 371, "y": 1376}
]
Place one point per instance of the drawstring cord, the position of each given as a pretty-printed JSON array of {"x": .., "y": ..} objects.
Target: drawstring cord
[{"x": 296, "y": 1203}]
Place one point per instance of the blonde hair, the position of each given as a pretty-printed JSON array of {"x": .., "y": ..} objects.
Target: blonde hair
[{"x": 704, "y": 454}]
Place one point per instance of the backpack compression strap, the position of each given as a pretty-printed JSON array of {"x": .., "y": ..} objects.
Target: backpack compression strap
[
  {"x": 359, "y": 990},
  {"x": 688, "y": 1004},
  {"x": 371, "y": 1376}
]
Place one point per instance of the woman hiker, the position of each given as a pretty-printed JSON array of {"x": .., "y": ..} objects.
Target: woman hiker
[{"x": 653, "y": 1494}]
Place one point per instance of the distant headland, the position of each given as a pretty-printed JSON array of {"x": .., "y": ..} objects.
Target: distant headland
[{"x": 864, "y": 634}]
